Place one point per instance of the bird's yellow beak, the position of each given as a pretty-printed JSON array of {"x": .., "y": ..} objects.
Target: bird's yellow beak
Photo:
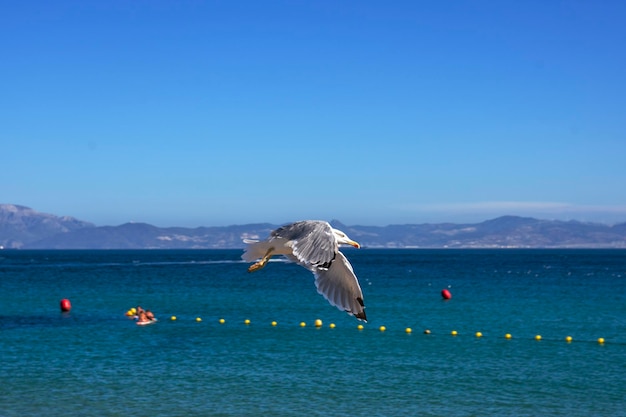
[{"x": 355, "y": 244}]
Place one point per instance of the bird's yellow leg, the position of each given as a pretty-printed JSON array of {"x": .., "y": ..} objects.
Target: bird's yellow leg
[{"x": 262, "y": 262}]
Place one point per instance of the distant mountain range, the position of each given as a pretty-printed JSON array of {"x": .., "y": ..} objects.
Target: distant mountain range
[{"x": 24, "y": 228}]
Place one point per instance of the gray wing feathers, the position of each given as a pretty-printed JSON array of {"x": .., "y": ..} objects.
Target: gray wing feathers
[
  {"x": 340, "y": 287},
  {"x": 313, "y": 242}
]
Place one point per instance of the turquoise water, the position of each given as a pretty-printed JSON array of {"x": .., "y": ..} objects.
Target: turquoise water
[{"x": 94, "y": 361}]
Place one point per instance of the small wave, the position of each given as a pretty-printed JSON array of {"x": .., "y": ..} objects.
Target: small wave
[{"x": 212, "y": 262}]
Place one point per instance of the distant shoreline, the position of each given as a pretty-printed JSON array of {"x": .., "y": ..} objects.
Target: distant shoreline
[{"x": 25, "y": 228}]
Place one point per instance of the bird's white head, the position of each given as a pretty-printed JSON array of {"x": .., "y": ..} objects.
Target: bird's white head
[{"x": 343, "y": 239}]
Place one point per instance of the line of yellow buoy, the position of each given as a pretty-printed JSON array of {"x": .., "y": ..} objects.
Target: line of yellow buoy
[
  {"x": 318, "y": 323},
  {"x": 537, "y": 337}
]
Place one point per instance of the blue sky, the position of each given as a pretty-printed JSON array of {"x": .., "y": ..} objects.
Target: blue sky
[{"x": 201, "y": 113}]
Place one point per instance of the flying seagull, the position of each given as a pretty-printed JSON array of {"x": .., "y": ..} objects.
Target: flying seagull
[{"x": 314, "y": 244}]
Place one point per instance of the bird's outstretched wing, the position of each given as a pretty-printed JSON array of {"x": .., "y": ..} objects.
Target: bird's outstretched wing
[
  {"x": 312, "y": 242},
  {"x": 340, "y": 287}
]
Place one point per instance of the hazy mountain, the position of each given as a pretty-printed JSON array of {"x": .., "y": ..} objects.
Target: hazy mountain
[
  {"x": 502, "y": 232},
  {"x": 22, "y": 227},
  {"x": 146, "y": 236}
]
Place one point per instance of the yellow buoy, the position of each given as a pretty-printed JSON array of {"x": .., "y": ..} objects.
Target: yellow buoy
[
  {"x": 198, "y": 319},
  {"x": 601, "y": 340},
  {"x": 246, "y": 321},
  {"x": 408, "y": 330},
  {"x": 332, "y": 325},
  {"x": 133, "y": 310},
  {"x": 360, "y": 327},
  {"x": 507, "y": 336},
  {"x": 479, "y": 334},
  {"x": 453, "y": 333},
  {"x": 173, "y": 318},
  {"x": 568, "y": 339},
  {"x": 274, "y": 323},
  {"x": 318, "y": 323},
  {"x": 538, "y": 337},
  {"x": 222, "y": 321},
  {"x": 382, "y": 328},
  {"x": 426, "y": 331},
  {"x": 302, "y": 324}
]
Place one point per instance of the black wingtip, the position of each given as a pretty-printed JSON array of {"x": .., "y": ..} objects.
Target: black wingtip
[{"x": 361, "y": 316}]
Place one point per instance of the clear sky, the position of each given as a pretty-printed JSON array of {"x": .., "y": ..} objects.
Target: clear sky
[{"x": 210, "y": 113}]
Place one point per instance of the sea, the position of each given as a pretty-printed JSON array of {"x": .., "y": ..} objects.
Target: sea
[{"x": 232, "y": 343}]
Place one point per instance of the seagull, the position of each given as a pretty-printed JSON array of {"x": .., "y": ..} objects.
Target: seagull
[{"x": 314, "y": 245}]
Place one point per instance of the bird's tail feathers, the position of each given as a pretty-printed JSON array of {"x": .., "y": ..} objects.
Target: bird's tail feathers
[{"x": 255, "y": 250}]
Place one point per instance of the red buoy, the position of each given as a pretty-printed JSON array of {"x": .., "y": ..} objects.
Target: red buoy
[
  {"x": 65, "y": 305},
  {"x": 446, "y": 294}
]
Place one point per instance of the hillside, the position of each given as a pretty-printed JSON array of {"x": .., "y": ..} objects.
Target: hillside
[
  {"x": 24, "y": 228},
  {"x": 21, "y": 226}
]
